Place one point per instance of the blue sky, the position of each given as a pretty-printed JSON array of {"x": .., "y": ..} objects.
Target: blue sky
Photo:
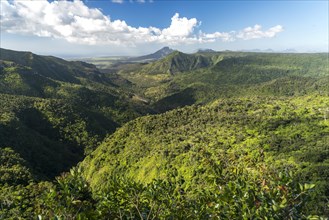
[{"x": 134, "y": 27}]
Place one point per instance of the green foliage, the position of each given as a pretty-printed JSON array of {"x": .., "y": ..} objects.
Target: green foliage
[
  {"x": 69, "y": 198},
  {"x": 239, "y": 194},
  {"x": 209, "y": 76},
  {"x": 13, "y": 169},
  {"x": 22, "y": 202},
  {"x": 258, "y": 152},
  {"x": 177, "y": 62},
  {"x": 241, "y": 197},
  {"x": 53, "y": 112},
  {"x": 29, "y": 133},
  {"x": 237, "y": 132}
]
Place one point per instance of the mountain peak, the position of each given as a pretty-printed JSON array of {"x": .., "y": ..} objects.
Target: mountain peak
[
  {"x": 177, "y": 62},
  {"x": 165, "y": 48},
  {"x": 163, "y": 52}
]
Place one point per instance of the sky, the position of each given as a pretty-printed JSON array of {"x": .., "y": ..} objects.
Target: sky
[{"x": 135, "y": 27}]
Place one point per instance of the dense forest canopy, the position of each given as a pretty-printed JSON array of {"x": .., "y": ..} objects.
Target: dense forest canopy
[{"x": 222, "y": 135}]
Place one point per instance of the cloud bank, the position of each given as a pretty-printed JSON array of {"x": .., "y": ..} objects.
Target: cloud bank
[
  {"x": 74, "y": 22},
  {"x": 256, "y": 32}
]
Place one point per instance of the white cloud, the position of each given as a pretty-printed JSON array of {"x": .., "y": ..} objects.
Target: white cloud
[
  {"x": 224, "y": 36},
  {"x": 256, "y": 32},
  {"x": 74, "y": 22},
  {"x": 180, "y": 27}
]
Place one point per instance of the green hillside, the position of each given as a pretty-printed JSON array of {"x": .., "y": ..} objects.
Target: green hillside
[
  {"x": 25, "y": 73},
  {"x": 177, "y": 62},
  {"x": 287, "y": 133},
  {"x": 50, "y": 135},
  {"x": 208, "y": 76},
  {"x": 52, "y": 67},
  {"x": 53, "y": 112},
  {"x": 210, "y": 135}
]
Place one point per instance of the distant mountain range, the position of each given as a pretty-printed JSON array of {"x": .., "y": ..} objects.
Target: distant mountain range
[
  {"x": 206, "y": 51},
  {"x": 269, "y": 50}
]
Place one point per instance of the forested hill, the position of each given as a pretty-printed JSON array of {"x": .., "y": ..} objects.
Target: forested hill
[
  {"x": 223, "y": 135},
  {"x": 184, "y": 79},
  {"x": 53, "y": 112},
  {"x": 177, "y": 62},
  {"x": 248, "y": 133},
  {"x": 49, "y": 66}
]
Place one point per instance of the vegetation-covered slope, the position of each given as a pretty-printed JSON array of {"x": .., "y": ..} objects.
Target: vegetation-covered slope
[
  {"x": 253, "y": 144},
  {"x": 202, "y": 77},
  {"x": 52, "y": 67},
  {"x": 250, "y": 158},
  {"x": 53, "y": 112},
  {"x": 50, "y": 135},
  {"x": 285, "y": 132},
  {"x": 177, "y": 62}
]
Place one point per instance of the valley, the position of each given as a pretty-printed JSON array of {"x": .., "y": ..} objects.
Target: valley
[{"x": 169, "y": 135}]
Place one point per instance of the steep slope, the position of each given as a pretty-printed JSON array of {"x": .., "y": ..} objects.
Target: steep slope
[
  {"x": 257, "y": 151},
  {"x": 79, "y": 83},
  {"x": 284, "y": 132},
  {"x": 177, "y": 62},
  {"x": 13, "y": 168},
  {"x": 50, "y": 135},
  {"x": 225, "y": 74},
  {"x": 155, "y": 74},
  {"x": 29, "y": 74},
  {"x": 53, "y": 112},
  {"x": 163, "y": 52},
  {"x": 51, "y": 67}
]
